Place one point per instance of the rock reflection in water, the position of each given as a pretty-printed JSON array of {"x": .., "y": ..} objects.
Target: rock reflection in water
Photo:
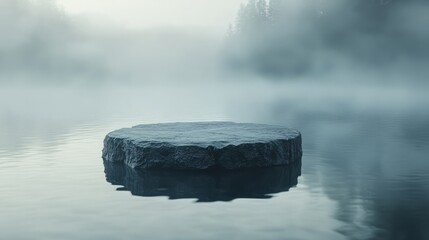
[{"x": 205, "y": 186}]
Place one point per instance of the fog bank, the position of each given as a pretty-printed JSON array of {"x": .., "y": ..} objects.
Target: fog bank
[
  {"x": 290, "y": 38},
  {"x": 42, "y": 43}
]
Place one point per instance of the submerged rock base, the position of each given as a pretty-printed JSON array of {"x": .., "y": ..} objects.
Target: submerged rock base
[{"x": 203, "y": 145}]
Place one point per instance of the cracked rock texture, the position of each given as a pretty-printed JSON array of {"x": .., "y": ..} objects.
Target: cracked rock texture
[{"x": 203, "y": 145}]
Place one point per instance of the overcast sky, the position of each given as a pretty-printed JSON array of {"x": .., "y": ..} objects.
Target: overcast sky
[{"x": 212, "y": 14}]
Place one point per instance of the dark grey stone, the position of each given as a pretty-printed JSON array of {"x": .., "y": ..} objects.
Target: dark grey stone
[{"x": 203, "y": 145}]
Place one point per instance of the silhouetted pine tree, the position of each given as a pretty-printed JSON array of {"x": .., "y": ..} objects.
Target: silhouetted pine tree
[
  {"x": 261, "y": 11},
  {"x": 274, "y": 10},
  {"x": 252, "y": 16}
]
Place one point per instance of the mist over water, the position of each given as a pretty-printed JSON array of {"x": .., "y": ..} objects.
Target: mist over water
[
  {"x": 279, "y": 38},
  {"x": 365, "y": 41},
  {"x": 363, "y": 169},
  {"x": 65, "y": 82},
  {"x": 48, "y": 46}
]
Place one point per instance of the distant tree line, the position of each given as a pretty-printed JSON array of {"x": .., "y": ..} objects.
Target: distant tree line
[{"x": 289, "y": 37}]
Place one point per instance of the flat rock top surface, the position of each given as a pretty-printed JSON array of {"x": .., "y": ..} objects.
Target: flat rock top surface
[{"x": 204, "y": 134}]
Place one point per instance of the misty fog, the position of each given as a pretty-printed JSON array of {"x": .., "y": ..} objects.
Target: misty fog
[
  {"x": 44, "y": 44},
  {"x": 378, "y": 41},
  {"x": 350, "y": 75},
  {"x": 58, "y": 71}
]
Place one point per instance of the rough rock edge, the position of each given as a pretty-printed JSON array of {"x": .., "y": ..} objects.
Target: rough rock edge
[{"x": 165, "y": 155}]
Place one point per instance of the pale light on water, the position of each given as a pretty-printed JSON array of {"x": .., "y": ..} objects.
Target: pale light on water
[{"x": 364, "y": 169}]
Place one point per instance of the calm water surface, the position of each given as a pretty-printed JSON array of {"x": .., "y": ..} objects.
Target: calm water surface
[{"x": 364, "y": 173}]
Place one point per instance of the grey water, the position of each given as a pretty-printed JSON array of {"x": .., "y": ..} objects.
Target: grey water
[{"x": 363, "y": 175}]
